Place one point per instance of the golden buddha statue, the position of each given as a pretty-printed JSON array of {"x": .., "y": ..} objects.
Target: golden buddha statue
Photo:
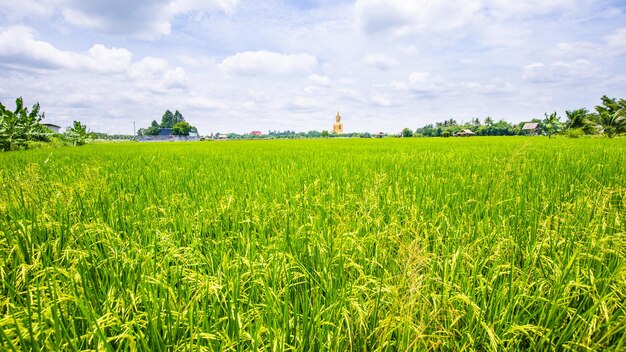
[{"x": 338, "y": 126}]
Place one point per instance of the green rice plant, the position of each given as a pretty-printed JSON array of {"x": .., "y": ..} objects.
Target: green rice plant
[{"x": 332, "y": 244}]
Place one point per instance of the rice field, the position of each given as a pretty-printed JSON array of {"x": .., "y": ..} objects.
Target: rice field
[{"x": 485, "y": 244}]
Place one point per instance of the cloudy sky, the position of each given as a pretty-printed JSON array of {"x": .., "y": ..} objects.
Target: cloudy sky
[{"x": 243, "y": 65}]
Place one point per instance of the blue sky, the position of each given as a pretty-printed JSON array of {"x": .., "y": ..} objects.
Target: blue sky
[{"x": 243, "y": 65}]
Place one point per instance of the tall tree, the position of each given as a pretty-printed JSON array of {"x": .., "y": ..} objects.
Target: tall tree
[
  {"x": 167, "y": 120},
  {"x": 579, "y": 119},
  {"x": 551, "y": 124},
  {"x": 20, "y": 126},
  {"x": 610, "y": 105},
  {"x": 612, "y": 116},
  {"x": 78, "y": 133},
  {"x": 178, "y": 117}
]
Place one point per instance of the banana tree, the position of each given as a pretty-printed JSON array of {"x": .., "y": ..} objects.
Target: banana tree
[
  {"x": 551, "y": 124},
  {"x": 20, "y": 126},
  {"x": 78, "y": 133}
]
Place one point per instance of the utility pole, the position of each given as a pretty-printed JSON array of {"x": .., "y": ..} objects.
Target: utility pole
[{"x": 134, "y": 131}]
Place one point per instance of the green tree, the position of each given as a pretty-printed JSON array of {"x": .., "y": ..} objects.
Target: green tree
[
  {"x": 153, "y": 130},
  {"x": 614, "y": 123},
  {"x": 314, "y": 134},
  {"x": 406, "y": 132},
  {"x": 21, "y": 126},
  {"x": 181, "y": 128},
  {"x": 612, "y": 116},
  {"x": 551, "y": 124},
  {"x": 78, "y": 133},
  {"x": 178, "y": 117},
  {"x": 167, "y": 120},
  {"x": 610, "y": 105},
  {"x": 325, "y": 134},
  {"x": 579, "y": 119}
]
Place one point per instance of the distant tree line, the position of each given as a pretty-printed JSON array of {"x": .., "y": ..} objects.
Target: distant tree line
[
  {"x": 609, "y": 118},
  {"x": 175, "y": 121},
  {"x": 287, "y": 134}
]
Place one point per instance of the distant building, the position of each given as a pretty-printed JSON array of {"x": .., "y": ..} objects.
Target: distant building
[
  {"x": 531, "y": 129},
  {"x": 256, "y": 133},
  {"x": 464, "y": 133},
  {"x": 52, "y": 127},
  {"x": 165, "y": 131}
]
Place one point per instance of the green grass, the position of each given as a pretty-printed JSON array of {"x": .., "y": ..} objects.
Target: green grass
[{"x": 365, "y": 245}]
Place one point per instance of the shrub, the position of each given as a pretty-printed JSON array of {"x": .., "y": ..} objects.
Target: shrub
[{"x": 575, "y": 133}]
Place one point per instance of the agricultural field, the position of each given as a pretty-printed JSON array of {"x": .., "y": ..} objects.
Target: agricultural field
[{"x": 483, "y": 243}]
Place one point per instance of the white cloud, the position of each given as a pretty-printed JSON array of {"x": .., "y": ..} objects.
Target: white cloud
[
  {"x": 155, "y": 74},
  {"x": 515, "y": 8},
  {"x": 320, "y": 80},
  {"x": 196, "y": 61},
  {"x": 26, "y": 8},
  {"x": 19, "y": 47},
  {"x": 303, "y": 104},
  {"x": 430, "y": 84},
  {"x": 400, "y": 85},
  {"x": 204, "y": 104},
  {"x": 175, "y": 79},
  {"x": 425, "y": 82},
  {"x": 560, "y": 71},
  {"x": 184, "y": 6},
  {"x": 577, "y": 49},
  {"x": 381, "y": 100},
  {"x": 402, "y": 17},
  {"x": 110, "y": 60},
  {"x": 147, "y": 19},
  {"x": 494, "y": 86},
  {"x": 348, "y": 94},
  {"x": 380, "y": 61},
  {"x": 613, "y": 44},
  {"x": 616, "y": 42},
  {"x": 148, "y": 68},
  {"x": 267, "y": 63}
]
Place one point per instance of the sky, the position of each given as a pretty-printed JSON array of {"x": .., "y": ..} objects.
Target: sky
[{"x": 244, "y": 65}]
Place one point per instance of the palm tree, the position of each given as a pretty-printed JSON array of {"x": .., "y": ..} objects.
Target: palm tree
[
  {"x": 551, "y": 124},
  {"x": 488, "y": 121},
  {"x": 576, "y": 118}
]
